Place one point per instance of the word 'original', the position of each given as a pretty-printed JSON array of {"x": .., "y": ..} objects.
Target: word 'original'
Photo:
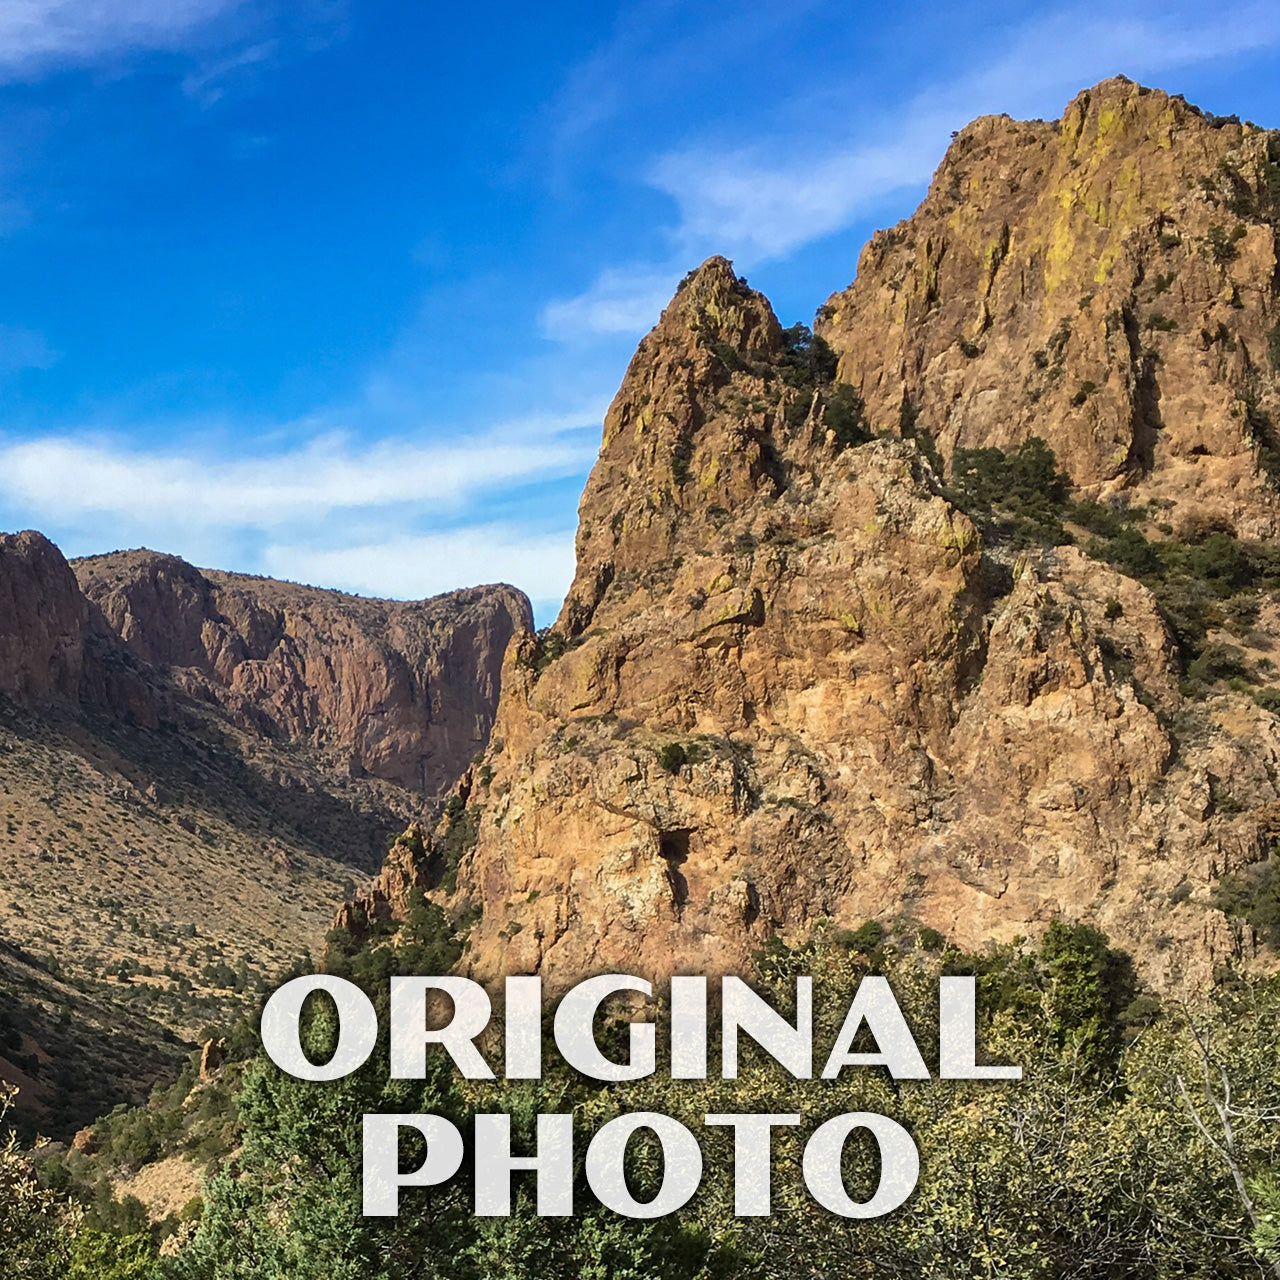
[{"x": 873, "y": 1010}]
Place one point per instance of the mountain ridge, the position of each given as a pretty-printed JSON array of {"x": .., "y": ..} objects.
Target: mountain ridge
[
  {"x": 196, "y": 769},
  {"x": 793, "y": 680}
]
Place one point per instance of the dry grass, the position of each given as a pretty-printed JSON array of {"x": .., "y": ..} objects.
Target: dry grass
[{"x": 153, "y": 882}]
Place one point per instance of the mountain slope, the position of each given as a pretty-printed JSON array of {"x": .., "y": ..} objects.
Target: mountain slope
[{"x": 195, "y": 770}]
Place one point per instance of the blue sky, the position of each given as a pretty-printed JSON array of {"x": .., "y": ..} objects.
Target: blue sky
[{"x": 338, "y": 290}]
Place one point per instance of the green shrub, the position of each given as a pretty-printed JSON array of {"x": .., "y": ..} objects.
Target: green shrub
[
  {"x": 460, "y": 836},
  {"x": 1204, "y": 582},
  {"x": 1100, "y": 518},
  {"x": 1129, "y": 551},
  {"x": 548, "y": 646},
  {"x": 866, "y": 937},
  {"x": 673, "y": 757},
  {"x": 1253, "y": 895},
  {"x": 1017, "y": 497},
  {"x": 1222, "y": 243},
  {"x": 846, "y": 417},
  {"x": 728, "y": 356},
  {"x": 807, "y": 360},
  {"x": 103, "y": 1255},
  {"x": 1217, "y": 662}
]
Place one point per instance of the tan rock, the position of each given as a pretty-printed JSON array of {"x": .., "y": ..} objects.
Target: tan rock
[
  {"x": 1104, "y": 281},
  {"x": 213, "y": 1053},
  {"x": 788, "y": 685},
  {"x": 42, "y": 619}
]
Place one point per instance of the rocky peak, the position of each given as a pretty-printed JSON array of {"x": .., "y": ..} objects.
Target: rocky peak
[
  {"x": 400, "y": 690},
  {"x": 790, "y": 683},
  {"x": 657, "y": 468},
  {"x": 1107, "y": 281}
]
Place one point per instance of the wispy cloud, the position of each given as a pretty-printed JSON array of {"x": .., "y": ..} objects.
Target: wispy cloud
[
  {"x": 208, "y": 84},
  {"x": 764, "y": 201},
  {"x": 759, "y": 208},
  {"x": 35, "y": 33},
  {"x": 322, "y": 480},
  {"x": 398, "y": 517},
  {"x": 836, "y": 163},
  {"x": 409, "y": 568},
  {"x": 621, "y": 300}
]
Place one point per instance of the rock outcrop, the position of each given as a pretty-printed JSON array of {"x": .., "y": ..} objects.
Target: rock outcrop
[
  {"x": 43, "y": 616},
  {"x": 790, "y": 683},
  {"x": 1107, "y": 281}
]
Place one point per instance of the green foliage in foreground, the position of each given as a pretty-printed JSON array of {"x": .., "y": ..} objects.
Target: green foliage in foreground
[
  {"x": 1108, "y": 1160},
  {"x": 34, "y": 1227},
  {"x": 1119, "y": 1154}
]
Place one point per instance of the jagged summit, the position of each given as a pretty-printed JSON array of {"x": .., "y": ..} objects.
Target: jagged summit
[
  {"x": 659, "y": 464},
  {"x": 1106, "y": 281}
]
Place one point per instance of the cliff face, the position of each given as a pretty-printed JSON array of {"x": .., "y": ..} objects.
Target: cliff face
[
  {"x": 790, "y": 682},
  {"x": 1107, "y": 281},
  {"x": 42, "y": 619},
  {"x": 403, "y": 691}
]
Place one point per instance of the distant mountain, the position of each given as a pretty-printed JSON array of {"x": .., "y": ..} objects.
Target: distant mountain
[{"x": 196, "y": 769}]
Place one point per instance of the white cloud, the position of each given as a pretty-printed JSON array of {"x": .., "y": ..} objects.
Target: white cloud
[
  {"x": 23, "y": 349},
  {"x": 73, "y": 477},
  {"x": 621, "y": 300},
  {"x": 757, "y": 209},
  {"x": 34, "y": 33},
  {"x": 401, "y": 517},
  {"x": 415, "y": 566}
]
